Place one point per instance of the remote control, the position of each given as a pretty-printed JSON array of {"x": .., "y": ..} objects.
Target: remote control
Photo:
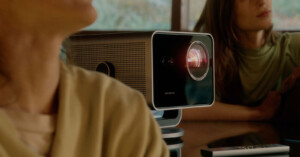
[{"x": 246, "y": 150}]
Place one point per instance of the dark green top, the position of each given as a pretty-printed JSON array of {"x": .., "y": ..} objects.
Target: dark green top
[{"x": 264, "y": 69}]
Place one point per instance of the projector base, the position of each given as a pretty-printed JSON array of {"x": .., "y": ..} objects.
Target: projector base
[
  {"x": 172, "y": 137},
  {"x": 172, "y": 133},
  {"x": 167, "y": 118},
  {"x": 175, "y": 153}
]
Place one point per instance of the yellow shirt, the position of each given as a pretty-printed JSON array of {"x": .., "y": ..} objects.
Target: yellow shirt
[
  {"x": 36, "y": 131},
  {"x": 97, "y": 116}
]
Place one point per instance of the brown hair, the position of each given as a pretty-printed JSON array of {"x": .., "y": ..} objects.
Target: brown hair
[{"x": 217, "y": 19}]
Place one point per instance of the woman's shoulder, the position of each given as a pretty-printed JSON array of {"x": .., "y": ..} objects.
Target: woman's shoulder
[
  {"x": 293, "y": 35},
  {"x": 288, "y": 37},
  {"x": 287, "y": 41},
  {"x": 294, "y": 39}
]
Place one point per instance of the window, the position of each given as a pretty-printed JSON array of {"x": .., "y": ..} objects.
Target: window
[
  {"x": 286, "y": 14},
  {"x": 132, "y": 15},
  {"x": 143, "y": 15},
  {"x": 195, "y": 10}
]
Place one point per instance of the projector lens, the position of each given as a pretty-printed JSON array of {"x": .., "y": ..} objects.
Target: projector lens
[{"x": 197, "y": 61}]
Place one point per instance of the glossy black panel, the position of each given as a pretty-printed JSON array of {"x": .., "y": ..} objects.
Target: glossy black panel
[{"x": 173, "y": 86}]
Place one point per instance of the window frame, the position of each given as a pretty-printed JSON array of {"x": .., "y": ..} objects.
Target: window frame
[{"x": 180, "y": 8}]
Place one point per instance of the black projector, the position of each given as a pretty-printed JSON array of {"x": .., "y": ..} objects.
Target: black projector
[{"x": 173, "y": 70}]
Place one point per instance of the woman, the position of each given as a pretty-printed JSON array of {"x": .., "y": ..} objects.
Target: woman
[
  {"x": 50, "y": 109},
  {"x": 251, "y": 61}
]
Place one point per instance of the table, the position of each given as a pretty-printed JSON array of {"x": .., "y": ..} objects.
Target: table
[{"x": 199, "y": 135}]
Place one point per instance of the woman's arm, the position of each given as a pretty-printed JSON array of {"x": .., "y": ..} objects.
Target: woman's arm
[
  {"x": 220, "y": 111},
  {"x": 203, "y": 133},
  {"x": 230, "y": 112}
]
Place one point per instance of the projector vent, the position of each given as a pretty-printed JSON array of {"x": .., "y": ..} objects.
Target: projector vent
[{"x": 128, "y": 60}]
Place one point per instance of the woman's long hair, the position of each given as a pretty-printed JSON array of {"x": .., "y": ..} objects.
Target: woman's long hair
[{"x": 217, "y": 19}]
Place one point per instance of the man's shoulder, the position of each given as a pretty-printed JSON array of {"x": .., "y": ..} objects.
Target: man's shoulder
[
  {"x": 98, "y": 86},
  {"x": 84, "y": 77}
]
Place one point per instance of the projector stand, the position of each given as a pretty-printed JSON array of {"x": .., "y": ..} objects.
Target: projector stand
[
  {"x": 172, "y": 137},
  {"x": 172, "y": 132},
  {"x": 168, "y": 120}
]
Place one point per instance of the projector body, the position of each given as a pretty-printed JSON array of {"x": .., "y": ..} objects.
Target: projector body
[{"x": 173, "y": 70}]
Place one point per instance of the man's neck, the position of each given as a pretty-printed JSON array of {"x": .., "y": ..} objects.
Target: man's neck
[{"x": 29, "y": 64}]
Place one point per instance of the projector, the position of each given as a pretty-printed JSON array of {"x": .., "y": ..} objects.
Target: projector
[{"x": 173, "y": 70}]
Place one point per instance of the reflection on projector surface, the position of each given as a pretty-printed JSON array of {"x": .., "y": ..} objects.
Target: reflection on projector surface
[
  {"x": 157, "y": 114},
  {"x": 196, "y": 92}
]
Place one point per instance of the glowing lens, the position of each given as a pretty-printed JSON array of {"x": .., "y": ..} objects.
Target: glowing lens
[{"x": 197, "y": 61}]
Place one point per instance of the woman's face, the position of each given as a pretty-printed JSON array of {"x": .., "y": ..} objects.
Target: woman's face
[
  {"x": 253, "y": 15},
  {"x": 52, "y": 15}
]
